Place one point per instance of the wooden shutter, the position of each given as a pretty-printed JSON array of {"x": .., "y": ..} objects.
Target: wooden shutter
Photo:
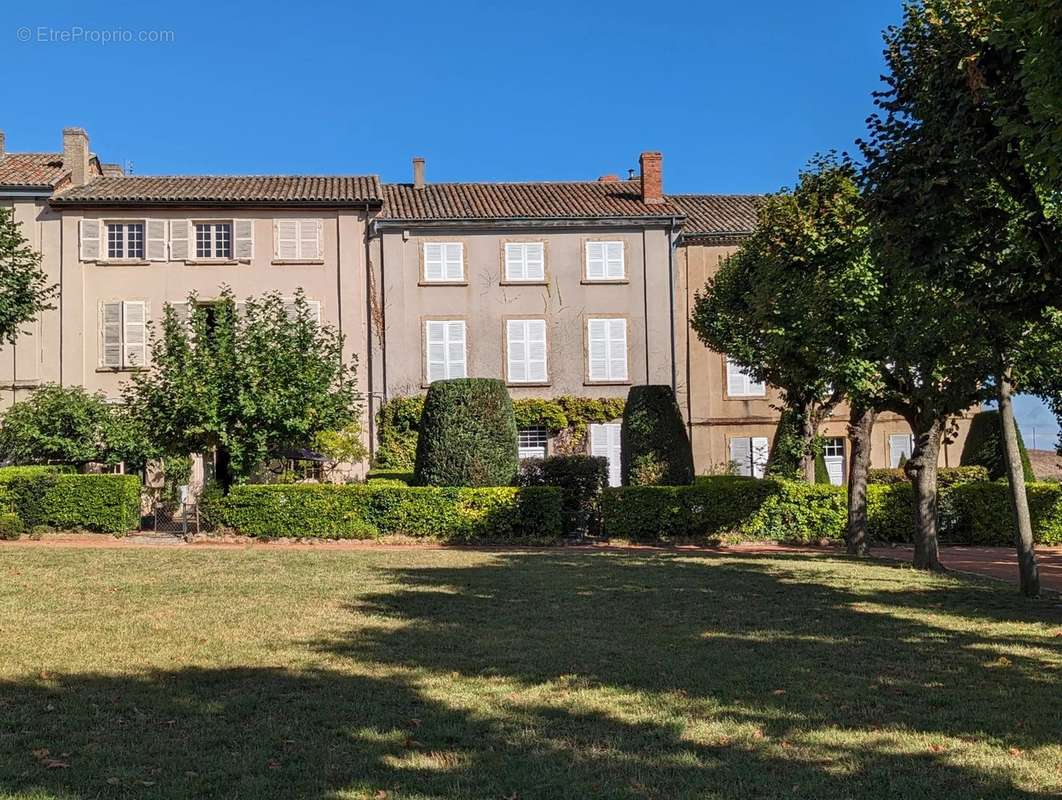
[
  {"x": 899, "y": 446},
  {"x": 534, "y": 261},
  {"x": 286, "y": 240},
  {"x": 455, "y": 349},
  {"x": 614, "y": 270},
  {"x": 180, "y": 239},
  {"x": 516, "y": 345},
  {"x": 455, "y": 261},
  {"x": 760, "y": 453},
  {"x": 536, "y": 351},
  {"x": 605, "y": 443},
  {"x": 310, "y": 239},
  {"x": 515, "y": 265},
  {"x": 597, "y": 349},
  {"x": 741, "y": 454},
  {"x": 134, "y": 333},
  {"x": 595, "y": 261},
  {"x": 89, "y": 239},
  {"x": 617, "y": 349},
  {"x": 111, "y": 334},
  {"x": 155, "y": 233},
  {"x": 434, "y": 270},
  {"x": 243, "y": 239}
]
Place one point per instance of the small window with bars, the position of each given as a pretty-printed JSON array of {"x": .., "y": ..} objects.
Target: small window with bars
[
  {"x": 125, "y": 240},
  {"x": 532, "y": 442},
  {"x": 213, "y": 240}
]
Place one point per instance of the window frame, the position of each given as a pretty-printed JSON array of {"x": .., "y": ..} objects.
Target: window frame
[
  {"x": 124, "y": 225},
  {"x": 541, "y": 434},
  {"x": 588, "y": 376},
  {"x": 299, "y": 257},
  {"x": 606, "y": 278},
  {"x": 123, "y": 326},
  {"x": 748, "y": 392},
  {"x": 213, "y": 224},
  {"x": 425, "y": 280},
  {"x": 426, "y": 379},
  {"x": 507, "y": 361},
  {"x": 523, "y": 244}
]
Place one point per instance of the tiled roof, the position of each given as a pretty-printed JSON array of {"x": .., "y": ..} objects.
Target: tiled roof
[
  {"x": 504, "y": 201},
  {"x": 142, "y": 189},
  {"x": 717, "y": 214},
  {"x": 31, "y": 169}
]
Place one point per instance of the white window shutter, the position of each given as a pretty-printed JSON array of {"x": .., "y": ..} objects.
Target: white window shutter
[
  {"x": 155, "y": 232},
  {"x": 735, "y": 379},
  {"x": 605, "y": 443},
  {"x": 111, "y": 334},
  {"x": 516, "y": 346},
  {"x": 536, "y": 351},
  {"x": 741, "y": 454},
  {"x": 617, "y": 349},
  {"x": 309, "y": 239},
  {"x": 597, "y": 349},
  {"x": 455, "y": 261},
  {"x": 900, "y": 445},
  {"x": 434, "y": 270},
  {"x": 243, "y": 239},
  {"x": 515, "y": 267},
  {"x": 89, "y": 239},
  {"x": 760, "y": 453},
  {"x": 455, "y": 355},
  {"x": 614, "y": 261},
  {"x": 134, "y": 333},
  {"x": 534, "y": 261},
  {"x": 180, "y": 239},
  {"x": 315, "y": 310},
  {"x": 286, "y": 239},
  {"x": 595, "y": 261}
]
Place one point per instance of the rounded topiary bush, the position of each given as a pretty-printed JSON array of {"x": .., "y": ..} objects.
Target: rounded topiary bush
[
  {"x": 984, "y": 447},
  {"x": 654, "y": 446},
  {"x": 467, "y": 435}
]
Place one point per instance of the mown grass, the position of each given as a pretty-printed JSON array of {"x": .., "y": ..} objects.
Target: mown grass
[{"x": 155, "y": 673}]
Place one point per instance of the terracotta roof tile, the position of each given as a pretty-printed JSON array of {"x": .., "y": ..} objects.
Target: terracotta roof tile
[
  {"x": 31, "y": 169},
  {"x": 710, "y": 215},
  {"x": 166, "y": 189}
]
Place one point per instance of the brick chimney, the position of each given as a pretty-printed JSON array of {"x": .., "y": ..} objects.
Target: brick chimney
[
  {"x": 608, "y": 179},
  {"x": 652, "y": 177},
  {"x": 418, "y": 172},
  {"x": 76, "y": 155}
]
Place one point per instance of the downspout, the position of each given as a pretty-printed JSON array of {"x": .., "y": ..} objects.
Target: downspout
[
  {"x": 671, "y": 305},
  {"x": 368, "y": 333}
]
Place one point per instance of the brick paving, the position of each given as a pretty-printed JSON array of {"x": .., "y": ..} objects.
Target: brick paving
[{"x": 995, "y": 562}]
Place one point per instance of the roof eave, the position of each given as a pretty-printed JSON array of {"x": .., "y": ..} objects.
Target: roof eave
[
  {"x": 554, "y": 222},
  {"x": 68, "y": 202}
]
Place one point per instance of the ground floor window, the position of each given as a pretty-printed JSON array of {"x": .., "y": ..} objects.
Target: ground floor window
[
  {"x": 901, "y": 445},
  {"x": 532, "y": 442},
  {"x": 833, "y": 455},
  {"x": 605, "y": 442},
  {"x": 749, "y": 454}
]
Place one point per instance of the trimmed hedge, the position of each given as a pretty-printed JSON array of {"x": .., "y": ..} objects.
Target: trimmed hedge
[
  {"x": 467, "y": 435},
  {"x": 11, "y": 526},
  {"x": 581, "y": 479},
  {"x": 43, "y": 496},
  {"x": 970, "y": 513},
  {"x": 984, "y": 447},
  {"x": 946, "y": 476},
  {"x": 362, "y": 511},
  {"x": 655, "y": 447}
]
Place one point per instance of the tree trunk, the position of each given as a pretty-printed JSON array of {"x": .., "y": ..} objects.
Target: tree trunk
[
  {"x": 860, "y": 430},
  {"x": 223, "y": 468},
  {"x": 921, "y": 470},
  {"x": 1028, "y": 571},
  {"x": 809, "y": 429}
]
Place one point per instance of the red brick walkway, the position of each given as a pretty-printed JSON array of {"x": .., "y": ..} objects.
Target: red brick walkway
[{"x": 996, "y": 562}]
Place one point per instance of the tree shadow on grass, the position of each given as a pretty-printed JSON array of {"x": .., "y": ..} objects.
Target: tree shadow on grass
[{"x": 570, "y": 677}]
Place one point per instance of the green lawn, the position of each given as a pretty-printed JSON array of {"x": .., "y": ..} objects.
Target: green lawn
[{"x": 180, "y": 673}]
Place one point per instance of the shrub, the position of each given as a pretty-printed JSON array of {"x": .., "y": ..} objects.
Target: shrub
[
  {"x": 822, "y": 474},
  {"x": 946, "y": 476},
  {"x": 581, "y": 479},
  {"x": 106, "y": 503},
  {"x": 11, "y": 526},
  {"x": 392, "y": 477},
  {"x": 501, "y": 513},
  {"x": 655, "y": 448},
  {"x": 984, "y": 447},
  {"x": 787, "y": 448},
  {"x": 397, "y": 423},
  {"x": 467, "y": 435}
]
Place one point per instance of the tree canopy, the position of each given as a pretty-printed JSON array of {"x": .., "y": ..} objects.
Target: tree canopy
[{"x": 24, "y": 288}]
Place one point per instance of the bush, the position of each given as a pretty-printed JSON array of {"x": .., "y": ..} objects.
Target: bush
[
  {"x": 970, "y": 513},
  {"x": 105, "y": 503},
  {"x": 391, "y": 477},
  {"x": 581, "y": 479},
  {"x": 822, "y": 473},
  {"x": 655, "y": 448},
  {"x": 467, "y": 435},
  {"x": 502, "y": 513},
  {"x": 397, "y": 423},
  {"x": 787, "y": 449},
  {"x": 946, "y": 476},
  {"x": 984, "y": 447},
  {"x": 11, "y": 526}
]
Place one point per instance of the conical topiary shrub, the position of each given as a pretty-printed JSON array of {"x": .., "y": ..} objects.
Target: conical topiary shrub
[
  {"x": 654, "y": 446},
  {"x": 467, "y": 435},
  {"x": 984, "y": 447}
]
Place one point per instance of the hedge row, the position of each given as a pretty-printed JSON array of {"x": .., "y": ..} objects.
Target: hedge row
[
  {"x": 43, "y": 496},
  {"x": 365, "y": 511},
  {"x": 970, "y": 513}
]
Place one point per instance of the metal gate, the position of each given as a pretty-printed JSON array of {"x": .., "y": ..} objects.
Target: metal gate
[{"x": 174, "y": 516}]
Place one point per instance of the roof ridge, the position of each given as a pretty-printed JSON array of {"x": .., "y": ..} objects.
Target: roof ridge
[{"x": 587, "y": 182}]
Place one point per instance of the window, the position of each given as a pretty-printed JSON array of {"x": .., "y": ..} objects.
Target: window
[
  {"x": 739, "y": 384},
  {"x": 292, "y": 310},
  {"x": 749, "y": 454},
  {"x": 444, "y": 261},
  {"x": 833, "y": 455},
  {"x": 125, "y": 240},
  {"x": 532, "y": 442},
  {"x": 604, "y": 261},
  {"x": 297, "y": 240},
  {"x": 525, "y": 261},
  {"x": 901, "y": 445},
  {"x": 607, "y": 350},
  {"x": 124, "y": 338},
  {"x": 213, "y": 240},
  {"x": 605, "y": 442},
  {"x": 526, "y": 349},
  {"x": 444, "y": 352}
]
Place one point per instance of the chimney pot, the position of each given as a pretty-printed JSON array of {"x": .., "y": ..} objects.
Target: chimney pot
[
  {"x": 418, "y": 173},
  {"x": 76, "y": 155},
  {"x": 652, "y": 177},
  {"x": 608, "y": 179}
]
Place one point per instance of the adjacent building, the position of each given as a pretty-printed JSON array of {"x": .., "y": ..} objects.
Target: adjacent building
[{"x": 559, "y": 288}]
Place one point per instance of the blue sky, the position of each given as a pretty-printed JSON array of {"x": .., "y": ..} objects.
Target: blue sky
[{"x": 736, "y": 95}]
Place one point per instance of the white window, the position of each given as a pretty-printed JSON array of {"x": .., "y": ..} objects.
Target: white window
[
  {"x": 901, "y": 445},
  {"x": 444, "y": 351},
  {"x": 444, "y": 261},
  {"x": 607, "y": 349},
  {"x": 125, "y": 240},
  {"x": 604, "y": 261},
  {"x": 833, "y": 455},
  {"x": 213, "y": 240},
  {"x": 123, "y": 334},
  {"x": 532, "y": 442},
  {"x": 297, "y": 240},
  {"x": 739, "y": 384},
  {"x": 749, "y": 455},
  {"x": 605, "y": 442},
  {"x": 526, "y": 349},
  {"x": 525, "y": 261},
  {"x": 292, "y": 310}
]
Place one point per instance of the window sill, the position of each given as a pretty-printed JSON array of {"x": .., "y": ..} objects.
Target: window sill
[
  {"x": 745, "y": 397},
  {"x": 121, "y": 369},
  {"x": 121, "y": 262},
  {"x": 604, "y": 282},
  {"x": 212, "y": 262},
  {"x": 442, "y": 283},
  {"x": 528, "y": 384},
  {"x": 297, "y": 262},
  {"x": 608, "y": 383},
  {"x": 524, "y": 283}
]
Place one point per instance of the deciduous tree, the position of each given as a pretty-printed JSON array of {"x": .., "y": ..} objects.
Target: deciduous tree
[{"x": 24, "y": 288}]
